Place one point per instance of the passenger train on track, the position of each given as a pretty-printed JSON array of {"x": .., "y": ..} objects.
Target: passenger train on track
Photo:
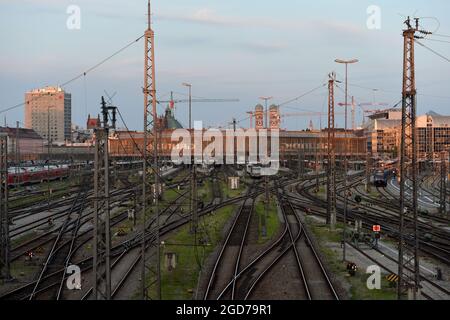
[{"x": 36, "y": 174}]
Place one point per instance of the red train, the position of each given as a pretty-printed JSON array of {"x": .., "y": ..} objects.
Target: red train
[{"x": 30, "y": 175}]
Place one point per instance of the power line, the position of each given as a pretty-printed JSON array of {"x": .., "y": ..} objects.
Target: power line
[
  {"x": 83, "y": 74},
  {"x": 433, "y": 51},
  {"x": 437, "y": 40},
  {"x": 142, "y": 153},
  {"x": 441, "y": 35},
  {"x": 102, "y": 62},
  {"x": 303, "y": 95},
  {"x": 395, "y": 92}
]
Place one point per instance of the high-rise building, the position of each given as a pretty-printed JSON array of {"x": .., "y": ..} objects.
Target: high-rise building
[{"x": 48, "y": 111}]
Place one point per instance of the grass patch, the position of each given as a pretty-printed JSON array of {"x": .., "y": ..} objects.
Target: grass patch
[
  {"x": 19, "y": 269},
  {"x": 358, "y": 288},
  {"x": 22, "y": 239},
  {"x": 181, "y": 282},
  {"x": 228, "y": 193},
  {"x": 61, "y": 187},
  {"x": 272, "y": 221}
]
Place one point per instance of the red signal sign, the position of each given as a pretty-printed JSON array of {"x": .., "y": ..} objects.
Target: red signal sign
[{"x": 376, "y": 228}]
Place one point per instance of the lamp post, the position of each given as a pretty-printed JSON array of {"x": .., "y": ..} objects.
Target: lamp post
[
  {"x": 193, "y": 202},
  {"x": 190, "y": 102},
  {"x": 266, "y": 99},
  {"x": 49, "y": 143},
  {"x": 266, "y": 178},
  {"x": 346, "y": 62}
]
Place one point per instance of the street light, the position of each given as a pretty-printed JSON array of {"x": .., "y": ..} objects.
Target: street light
[
  {"x": 346, "y": 62},
  {"x": 193, "y": 191},
  {"x": 190, "y": 102},
  {"x": 266, "y": 178},
  {"x": 266, "y": 112}
]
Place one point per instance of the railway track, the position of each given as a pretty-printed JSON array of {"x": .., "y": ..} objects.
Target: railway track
[
  {"x": 227, "y": 262},
  {"x": 315, "y": 281},
  {"x": 51, "y": 280},
  {"x": 321, "y": 212},
  {"x": 291, "y": 247}
]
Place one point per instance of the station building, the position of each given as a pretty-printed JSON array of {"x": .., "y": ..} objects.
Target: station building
[{"x": 23, "y": 144}]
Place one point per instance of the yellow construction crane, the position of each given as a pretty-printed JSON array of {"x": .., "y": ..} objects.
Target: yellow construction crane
[{"x": 172, "y": 102}]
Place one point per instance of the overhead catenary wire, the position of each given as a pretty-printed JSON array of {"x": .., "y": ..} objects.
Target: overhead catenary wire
[
  {"x": 284, "y": 104},
  {"x": 433, "y": 51},
  {"x": 437, "y": 40},
  {"x": 142, "y": 153},
  {"x": 302, "y": 95},
  {"x": 395, "y": 92},
  {"x": 83, "y": 74}
]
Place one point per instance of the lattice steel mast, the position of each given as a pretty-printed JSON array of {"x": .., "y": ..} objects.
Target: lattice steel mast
[
  {"x": 368, "y": 170},
  {"x": 408, "y": 266},
  {"x": 102, "y": 230},
  {"x": 443, "y": 184},
  {"x": 331, "y": 179},
  {"x": 4, "y": 217},
  {"x": 150, "y": 130}
]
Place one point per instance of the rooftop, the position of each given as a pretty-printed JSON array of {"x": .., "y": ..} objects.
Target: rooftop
[{"x": 23, "y": 133}]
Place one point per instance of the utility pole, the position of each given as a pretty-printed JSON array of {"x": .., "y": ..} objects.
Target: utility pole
[
  {"x": 17, "y": 154},
  {"x": 331, "y": 177},
  {"x": 235, "y": 158},
  {"x": 346, "y": 62},
  {"x": 368, "y": 170},
  {"x": 301, "y": 162},
  {"x": 409, "y": 282},
  {"x": 318, "y": 149},
  {"x": 266, "y": 178},
  {"x": 266, "y": 111},
  {"x": 193, "y": 192},
  {"x": 102, "y": 231},
  {"x": 5, "y": 272},
  {"x": 49, "y": 145},
  {"x": 150, "y": 129},
  {"x": 353, "y": 113},
  {"x": 443, "y": 185}
]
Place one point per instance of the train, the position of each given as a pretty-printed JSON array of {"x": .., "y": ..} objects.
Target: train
[
  {"x": 380, "y": 177},
  {"x": 254, "y": 170},
  {"x": 36, "y": 174}
]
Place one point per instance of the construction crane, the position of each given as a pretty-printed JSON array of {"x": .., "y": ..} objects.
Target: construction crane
[
  {"x": 364, "y": 109},
  {"x": 306, "y": 114},
  {"x": 353, "y": 106},
  {"x": 172, "y": 102}
]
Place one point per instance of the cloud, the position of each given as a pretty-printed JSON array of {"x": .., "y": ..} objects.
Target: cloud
[
  {"x": 210, "y": 17},
  {"x": 261, "y": 48}
]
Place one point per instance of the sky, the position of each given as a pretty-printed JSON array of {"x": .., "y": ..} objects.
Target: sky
[{"x": 227, "y": 49}]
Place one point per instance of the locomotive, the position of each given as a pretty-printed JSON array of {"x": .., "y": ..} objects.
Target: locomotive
[{"x": 380, "y": 178}]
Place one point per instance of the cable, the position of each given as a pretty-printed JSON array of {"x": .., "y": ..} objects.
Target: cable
[
  {"x": 441, "y": 35},
  {"x": 102, "y": 62},
  {"x": 437, "y": 40},
  {"x": 394, "y": 92},
  {"x": 141, "y": 152},
  {"x": 303, "y": 95},
  {"x": 83, "y": 74},
  {"x": 85, "y": 99},
  {"x": 433, "y": 51}
]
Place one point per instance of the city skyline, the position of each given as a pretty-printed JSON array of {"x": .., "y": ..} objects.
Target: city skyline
[
  {"x": 280, "y": 52},
  {"x": 253, "y": 151}
]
